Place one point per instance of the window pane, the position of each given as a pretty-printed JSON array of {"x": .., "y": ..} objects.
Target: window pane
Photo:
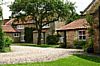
[
  {"x": 80, "y": 37},
  {"x": 80, "y": 32},
  {"x": 15, "y": 34},
  {"x": 83, "y": 32},
  {"x": 84, "y": 37}
]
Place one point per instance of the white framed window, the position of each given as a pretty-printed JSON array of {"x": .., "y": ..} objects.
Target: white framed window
[
  {"x": 16, "y": 34},
  {"x": 20, "y": 26},
  {"x": 82, "y": 35}
]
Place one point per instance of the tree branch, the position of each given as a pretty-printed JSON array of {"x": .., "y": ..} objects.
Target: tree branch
[{"x": 50, "y": 22}]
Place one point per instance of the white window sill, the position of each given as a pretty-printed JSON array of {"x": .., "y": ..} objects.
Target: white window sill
[{"x": 16, "y": 36}]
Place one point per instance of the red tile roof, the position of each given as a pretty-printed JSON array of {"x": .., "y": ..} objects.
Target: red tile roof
[
  {"x": 9, "y": 22},
  {"x": 77, "y": 24},
  {"x": 9, "y": 28},
  {"x": 5, "y": 20}
]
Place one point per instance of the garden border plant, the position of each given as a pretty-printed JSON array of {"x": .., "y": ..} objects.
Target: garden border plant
[
  {"x": 4, "y": 40},
  {"x": 89, "y": 46},
  {"x": 79, "y": 44},
  {"x": 7, "y": 41}
]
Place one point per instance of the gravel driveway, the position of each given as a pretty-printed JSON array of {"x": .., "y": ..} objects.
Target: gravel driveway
[{"x": 21, "y": 54}]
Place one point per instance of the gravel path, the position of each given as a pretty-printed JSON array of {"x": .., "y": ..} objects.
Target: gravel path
[{"x": 21, "y": 54}]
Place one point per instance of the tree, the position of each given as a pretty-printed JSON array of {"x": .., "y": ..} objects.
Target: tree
[
  {"x": 42, "y": 10},
  {"x": 2, "y": 45},
  {"x": 73, "y": 17}
]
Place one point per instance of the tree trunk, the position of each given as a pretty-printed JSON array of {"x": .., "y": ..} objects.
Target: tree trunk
[
  {"x": 39, "y": 37},
  {"x": 39, "y": 32}
]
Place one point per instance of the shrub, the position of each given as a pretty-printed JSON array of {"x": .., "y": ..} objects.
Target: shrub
[
  {"x": 89, "y": 46},
  {"x": 52, "y": 39},
  {"x": 8, "y": 41},
  {"x": 79, "y": 44}
]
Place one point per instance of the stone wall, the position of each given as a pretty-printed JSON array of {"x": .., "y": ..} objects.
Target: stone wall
[
  {"x": 16, "y": 39},
  {"x": 96, "y": 34},
  {"x": 43, "y": 39}
]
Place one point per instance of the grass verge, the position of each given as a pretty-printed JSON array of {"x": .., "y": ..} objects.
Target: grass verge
[{"x": 74, "y": 60}]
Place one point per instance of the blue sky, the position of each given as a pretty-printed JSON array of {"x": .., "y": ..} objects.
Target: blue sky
[{"x": 80, "y": 6}]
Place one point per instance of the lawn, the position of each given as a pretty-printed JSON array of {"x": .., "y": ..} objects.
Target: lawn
[
  {"x": 74, "y": 60},
  {"x": 35, "y": 45}
]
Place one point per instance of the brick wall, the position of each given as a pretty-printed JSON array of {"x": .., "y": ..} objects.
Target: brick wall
[{"x": 73, "y": 35}]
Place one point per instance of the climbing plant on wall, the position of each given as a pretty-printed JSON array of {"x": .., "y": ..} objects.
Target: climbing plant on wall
[{"x": 89, "y": 46}]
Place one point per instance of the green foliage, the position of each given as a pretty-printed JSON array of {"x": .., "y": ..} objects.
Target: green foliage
[
  {"x": 91, "y": 31},
  {"x": 90, "y": 42},
  {"x": 51, "y": 10},
  {"x": 72, "y": 18},
  {"x": 52, "y": 39},
  {"x": 89, "y": 45},
  {"x": 90, "y": 19},
  {"x": 7, "y": 49},
  {"x": 79, "y": 44},
  {"x": 29, "y": 35},
  {"x": 2, "y": 44},
  {"x": 8, "y": 41}
]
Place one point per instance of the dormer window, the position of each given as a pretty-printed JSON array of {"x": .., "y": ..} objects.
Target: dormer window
[{"x": 20, "y": 26}]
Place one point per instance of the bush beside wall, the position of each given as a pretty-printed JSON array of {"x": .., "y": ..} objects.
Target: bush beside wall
[
  {"x": 52, "y": 39},
  {"x": 79, "y": 44}
]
